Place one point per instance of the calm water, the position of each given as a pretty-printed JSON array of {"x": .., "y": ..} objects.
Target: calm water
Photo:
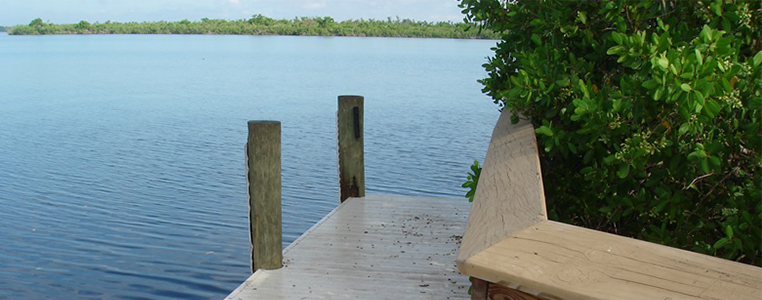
[{"x": 121, "y": 157}]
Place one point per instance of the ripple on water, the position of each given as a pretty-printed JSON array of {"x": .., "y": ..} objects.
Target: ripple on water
[{"x": 121, "y": 163}]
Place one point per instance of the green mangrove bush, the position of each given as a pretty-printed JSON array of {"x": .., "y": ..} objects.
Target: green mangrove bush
[
  {"x": 648, "y": 113},
  {"x": 262, "y": 25}
]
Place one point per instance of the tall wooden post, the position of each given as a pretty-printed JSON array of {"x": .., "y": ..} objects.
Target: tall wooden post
[
  {"x": 351, "y": 156},
  {"x": 264, "y": 193}
]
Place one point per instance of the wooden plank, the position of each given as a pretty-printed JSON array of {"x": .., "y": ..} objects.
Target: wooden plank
[
  {"x": 509, "y": 241},
  {"x": 510, "y": 194},
  {"x": 263, "y": 174},
  {"x": 500, "y": 292},
  {"x": 479, "y": 289},
  {"x": 572, "y": 263},
  {"x": 376, "y": 247},
  {"x": 350, "y": 149}
]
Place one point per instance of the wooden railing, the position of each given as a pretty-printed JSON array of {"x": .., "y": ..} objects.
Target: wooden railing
[{"x": 513, "y": 251}]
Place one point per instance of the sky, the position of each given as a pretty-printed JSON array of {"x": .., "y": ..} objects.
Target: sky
[{"x": 15, "y": 12}]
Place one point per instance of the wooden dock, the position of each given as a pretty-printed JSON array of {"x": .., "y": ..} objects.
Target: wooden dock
[
  {"x": 375, "y": 247},
  {"x": 403, "y": 247}
]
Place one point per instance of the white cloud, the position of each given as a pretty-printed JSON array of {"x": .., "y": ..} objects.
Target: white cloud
[
  {"x": 313, "y": 5},
  {"x": 234, "y": 2}
]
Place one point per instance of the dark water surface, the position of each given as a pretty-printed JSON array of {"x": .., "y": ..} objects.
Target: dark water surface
[{"x": 121, "y": 157}]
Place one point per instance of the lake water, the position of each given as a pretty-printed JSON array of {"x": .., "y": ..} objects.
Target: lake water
[{"x": 121, "y": 156}]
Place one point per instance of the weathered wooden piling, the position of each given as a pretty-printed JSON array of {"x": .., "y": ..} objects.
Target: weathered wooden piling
[
  {"x": 350, "y": 150},
  {"x": 263, "y": 177}
]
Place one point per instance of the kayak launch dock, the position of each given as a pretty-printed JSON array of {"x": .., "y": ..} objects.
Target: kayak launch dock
[{"x": 369, "y": 247}]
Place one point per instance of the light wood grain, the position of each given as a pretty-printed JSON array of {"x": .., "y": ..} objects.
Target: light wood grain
[
  {"x": 509, "y": 241},
  {"x": 376, "y": 247},
  {"x": 510, "y": 195},
  {"x": 350, "y": 147},
  {"x": 263, "y": 171},
  {"x": 500, "y": 292},
  {"x": 576, "y": 263}
]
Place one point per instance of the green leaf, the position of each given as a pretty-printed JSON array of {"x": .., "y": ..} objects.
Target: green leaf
[
  {"x": 693, "y": 155},
  {"x": 723, "y": 45},
  {"x": 616, "y": 105},
  {"x": 658, "y": 93},
  {"x": 614, "y": 50},
  {"x": 705, "y": 166},
  {"x": 544, "y": 130},
  {"x": 624, "y": 170},
  {"x": 563, "y": 82},
  {"x": 738, "y": 243},
  {"x": 664, "y": 62},
  {"x": 714, "y": 160},
  {"x": 582, "y": 16},
  {"x": 660, "y": 206},
  {"x": 755, "y": 103},
  {"x": 729, "y": 231},
  {"x": 618, "y": 37},
  {"x": 661, "y": 24},
  {"x": 588, "y": 157},
  {"x": 673, "y": 69},
  {"x": 583, "y": 88},
  {"x": 708, "y": 67},
  {"x": 706, "y": 34},
  {"x": 514, "y": 119},
  {"x": 650, "y": 84},
  {"x": 683, "y": 128},
  {"x": 664, "y": 41},
  {"x": 700, "y": 98},
  {"x": 685, "y": 87},
  {"x": 712, "y": 107},
  {"x": 684, "y": 112},
  {"x": 572, "y": 148},
  {"x": 699, "y": 57},
  {"x": 757, "y": 59},
  {"x": 536, "y": 39},
  {"x": 726, "y": 85},
  {"x": 475, "y": 167},
  {"x": 627, "y": 212},
  {"x": 720, "y": 243},
  {"x": 716, "y": 8}
]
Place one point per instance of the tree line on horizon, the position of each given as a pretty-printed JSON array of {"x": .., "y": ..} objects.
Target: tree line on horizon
[{"x": 262, "y": 25}]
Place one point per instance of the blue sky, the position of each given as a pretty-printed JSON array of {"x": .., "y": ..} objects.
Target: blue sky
[{"x": 14, "y": 12}]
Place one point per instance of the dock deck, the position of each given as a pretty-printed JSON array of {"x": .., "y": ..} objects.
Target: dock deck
[{"x": 375, "y": 247}]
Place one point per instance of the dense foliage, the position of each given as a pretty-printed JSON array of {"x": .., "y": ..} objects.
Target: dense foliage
[
  {"x": 649, "y": 113},
  {"x": 261, "y": 25}
]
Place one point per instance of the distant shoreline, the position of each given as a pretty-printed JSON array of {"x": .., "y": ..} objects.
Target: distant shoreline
[{"x": 261, "y": 25}]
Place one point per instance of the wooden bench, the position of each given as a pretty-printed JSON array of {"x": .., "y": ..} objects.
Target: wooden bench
[{"x": 513, "y": 251}]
